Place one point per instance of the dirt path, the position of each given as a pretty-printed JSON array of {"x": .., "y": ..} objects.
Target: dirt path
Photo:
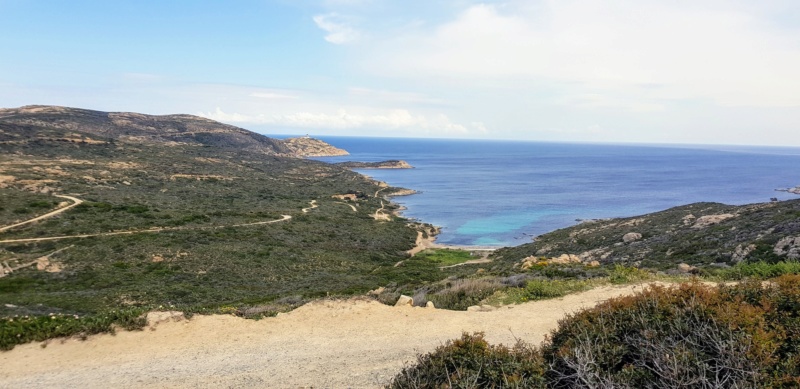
[
  {"x": 313, "y": 204},
  {"x": 353, "y": 207},
  {"x": 325, "y": 344},
  {"x": 76, "y": 202},
  {"x": 151, "y": 230}
]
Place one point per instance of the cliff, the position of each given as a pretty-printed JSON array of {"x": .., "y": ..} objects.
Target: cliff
[{"x": 392, "y": 164}]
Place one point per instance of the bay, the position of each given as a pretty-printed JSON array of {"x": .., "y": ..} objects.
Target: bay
[{"x": 502, "y": 193}]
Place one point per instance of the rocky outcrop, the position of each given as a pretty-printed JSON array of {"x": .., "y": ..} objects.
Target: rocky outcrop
[
  {"x": 710, "y": 220},
  {"x": 741, "y": 252},
  {"x": 392, "y": 164},
  {"x": 788, "y": 246},
  {"x": 795, "y": 190},
  {"x": 631, "y": 237},
  {"x": 310, "y": 147}
]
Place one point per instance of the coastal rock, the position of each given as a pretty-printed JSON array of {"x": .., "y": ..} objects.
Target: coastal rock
[
  {"x": 404, "y": 301},
  {"x": 795, "y": 190},
  {"x": 430, "y": 305},
  {"x": 392, "y": 164},
  {"x": 688, "y": 219},
  {"x": 788, "y": 246},
  {"x": 741, "y": 252},
  {"x": 593, "y": 264},
  {"x": 631, "y": 237},
  {"x": 709, "y": 220}
]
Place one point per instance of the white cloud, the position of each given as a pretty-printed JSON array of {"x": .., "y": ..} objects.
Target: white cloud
[
  {"x": 397, "y": 119},
  {"x": 629, "y": 54},
  {"x": 337, "y": 27}
]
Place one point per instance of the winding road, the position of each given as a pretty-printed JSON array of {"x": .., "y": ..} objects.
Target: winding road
[{"x": 76, "y": 202}]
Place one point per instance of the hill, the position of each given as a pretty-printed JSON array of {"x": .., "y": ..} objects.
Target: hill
[
  {"x": 109, "y": 211},
  {"x": 698, "y": 235},
  {"x": 50, "y": 123}
]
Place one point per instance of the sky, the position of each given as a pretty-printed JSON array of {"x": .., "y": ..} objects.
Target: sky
[{"x": 639, "y": 71}]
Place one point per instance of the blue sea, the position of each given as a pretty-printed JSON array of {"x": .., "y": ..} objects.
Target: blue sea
[{"x": 502, "y": 193}]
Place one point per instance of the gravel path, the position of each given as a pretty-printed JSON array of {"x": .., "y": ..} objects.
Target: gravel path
[{"x": 354, "y": 343}]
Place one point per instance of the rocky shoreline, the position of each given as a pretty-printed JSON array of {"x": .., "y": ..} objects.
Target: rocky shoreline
[
  {"x": 795, "y": 190},
  {"x": 391, "y": 164}
]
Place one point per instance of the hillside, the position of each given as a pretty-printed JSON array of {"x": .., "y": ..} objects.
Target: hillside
[
  {"x": 105, "y": 211},
  {"x": 50, "y": 123},
  {"x": 699, "y": 235}
]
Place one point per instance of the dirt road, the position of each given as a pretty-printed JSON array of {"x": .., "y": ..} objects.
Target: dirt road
[
  {"x": 76, "y": 202},
  {"x": 325, "y": 344}
]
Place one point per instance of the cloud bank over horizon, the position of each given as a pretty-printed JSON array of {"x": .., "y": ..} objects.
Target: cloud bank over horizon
[{"x": 643, "y": 71}]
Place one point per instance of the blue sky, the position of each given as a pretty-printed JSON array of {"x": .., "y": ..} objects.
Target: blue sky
[{"x": 703, "y": 71}]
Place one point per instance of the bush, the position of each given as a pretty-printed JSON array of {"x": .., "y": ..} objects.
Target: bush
[
  {"x": 470, "y": 362},
  {"x": 744, "y": 336},
  {"x": 690, "y": 336},
  {"x": 463, "y": 293},
  {"x": 761, "y": 269}
]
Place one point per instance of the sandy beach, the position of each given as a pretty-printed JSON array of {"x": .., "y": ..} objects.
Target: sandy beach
[{"x": 355, "y": 343}]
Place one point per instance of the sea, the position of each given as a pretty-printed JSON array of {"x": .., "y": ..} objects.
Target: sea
[{"x": 504, "y": 193}]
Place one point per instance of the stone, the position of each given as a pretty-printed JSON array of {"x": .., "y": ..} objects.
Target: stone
[
  {"x": 686, "y": 268},
  {"x": 593, "y": 264},
  {"x": 710, "y": 220},
  {"x": 376, "y": 292},
  {"x": 631, "y": 237},
  {"x": 404, "y": 301},
  {"x": 741, "y": 252},
  {"x": 788, "y": 246},
  {"x": 430, "y": 305}
]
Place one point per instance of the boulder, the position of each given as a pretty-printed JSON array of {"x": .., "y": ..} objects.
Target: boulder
[
  {"x": 788, "y": 246},
  {"x": 593, "y": 264},
  {"x": 404, "y": 301},
  {"x": 631, "y": 237},
  {"x": 429, "y": 304},
  {"x": 741, "y": 252},
  {"x": 686, "y": 268},
  {"x": 710, "y": 220}
]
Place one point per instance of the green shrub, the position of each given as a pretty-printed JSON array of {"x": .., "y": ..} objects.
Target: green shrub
[
  {"x": 23, "y": 329},
  {"x": 545, "y": 289},
  {"x": 760, "y": 269},
  {"x": 470, "y": 362},
  {"x": 689, "y": 336},
  {"x": 626, "y": 274},
  {"x": 463, "y": 293}
]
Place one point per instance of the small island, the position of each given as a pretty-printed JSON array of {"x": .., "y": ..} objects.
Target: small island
[{"x": 391, "y": 164}]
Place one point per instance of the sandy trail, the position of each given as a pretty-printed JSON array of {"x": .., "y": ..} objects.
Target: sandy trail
[
  {"x": 353, "y": 207},
  {"x": 313, "y": 204},
  {"x": 151, "y": 230},
  {"x": 76, "y": 202},
  {"x": 325, "y": 344}
]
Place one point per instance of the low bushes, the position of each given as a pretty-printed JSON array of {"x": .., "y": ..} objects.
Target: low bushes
[
  {"x": 746, "y": 335},
  {"x": 470, "y": 362},
  {"x": 24, "y": 329}
]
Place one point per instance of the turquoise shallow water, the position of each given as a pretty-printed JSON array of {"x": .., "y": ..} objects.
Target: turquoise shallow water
[{"x": 503, "y": 193}]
